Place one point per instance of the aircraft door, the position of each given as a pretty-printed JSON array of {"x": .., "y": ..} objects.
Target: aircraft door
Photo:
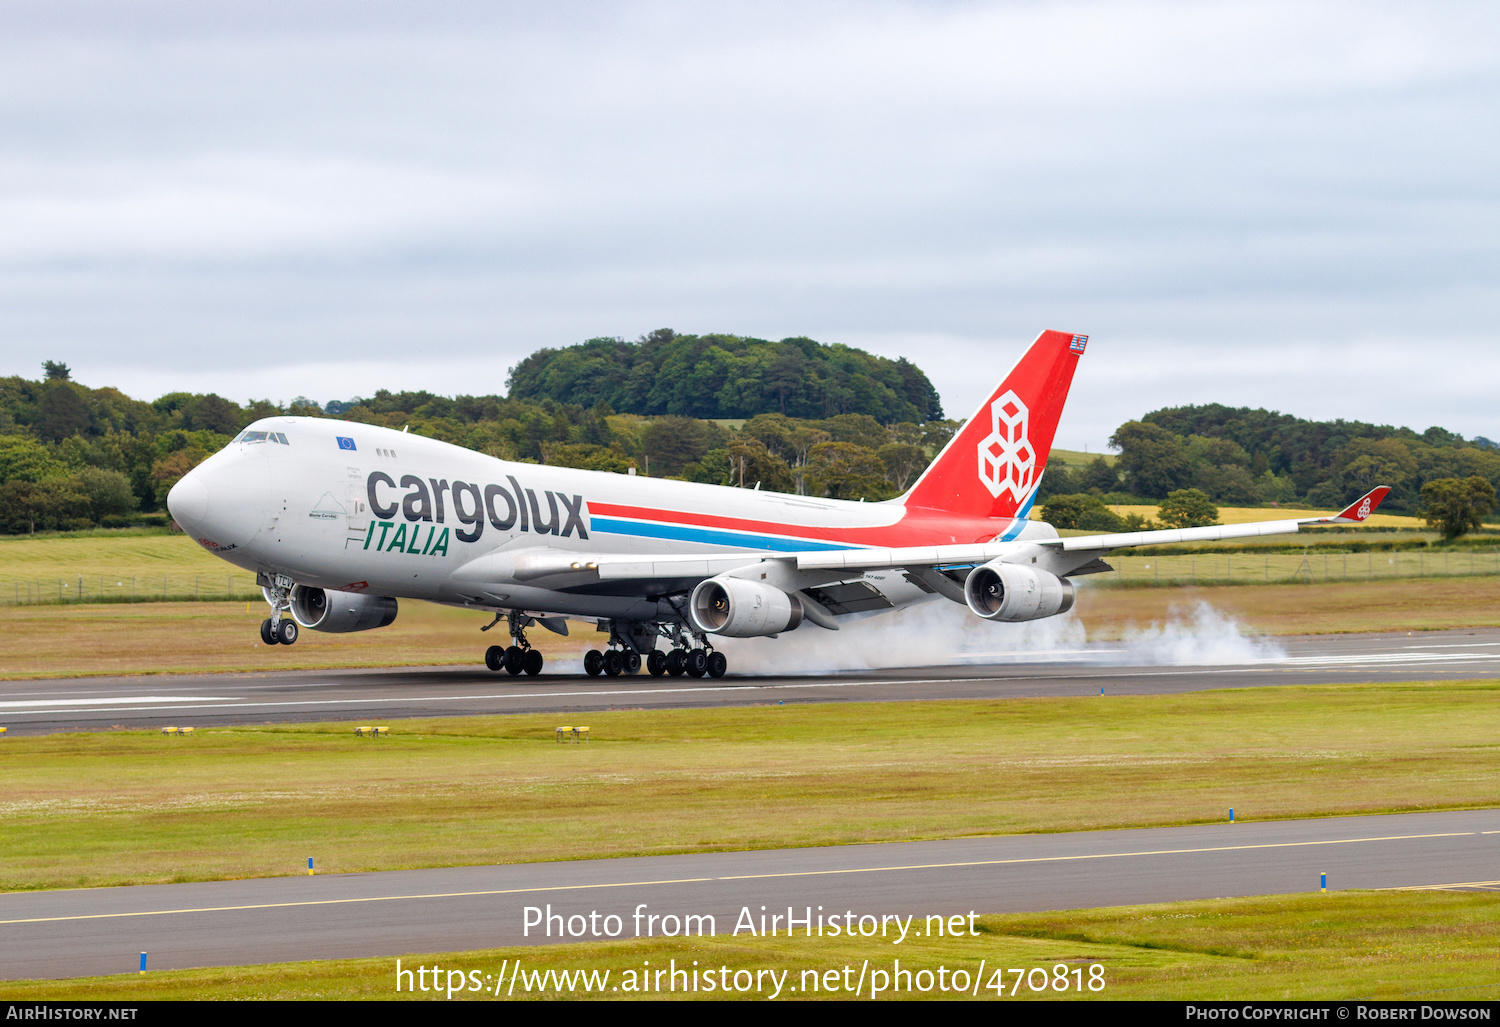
[{"x": 357, "y": 512}]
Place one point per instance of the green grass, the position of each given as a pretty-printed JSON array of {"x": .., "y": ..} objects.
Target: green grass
[
  {"x": 135, "y": 807},
  {"x": 1077, "y": 459},
  {"x": 118, "y": 565},
  {"x": 1413, "y": 946}
]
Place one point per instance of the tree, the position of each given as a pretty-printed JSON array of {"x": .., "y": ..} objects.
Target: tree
[
  {"x": 1155, "y": 461},
  {"x": 1188, "y": 508},
  {"x": 903, "y": 463},
  {"x": 1100, "y": 475},
  {"x": 62, "y": 412},
  {"x": 50, "y": 503},
  {"x": 1083, "y": 512},
  {"x": 56, "y": 370},
  {"x": 1457, "y": 505},
  {"x": 842, "y": 470}
]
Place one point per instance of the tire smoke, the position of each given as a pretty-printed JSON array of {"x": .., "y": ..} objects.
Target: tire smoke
[{"x": 939, "y": 632}]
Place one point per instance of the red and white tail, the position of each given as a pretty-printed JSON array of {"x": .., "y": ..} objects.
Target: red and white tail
[{"x": 993, "y": 466}]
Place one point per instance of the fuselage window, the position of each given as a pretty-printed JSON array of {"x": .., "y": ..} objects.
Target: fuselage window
[{"x": 254, "y": 436}]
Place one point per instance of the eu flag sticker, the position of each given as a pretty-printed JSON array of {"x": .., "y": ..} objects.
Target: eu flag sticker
[{"x": 345, "y": 443}]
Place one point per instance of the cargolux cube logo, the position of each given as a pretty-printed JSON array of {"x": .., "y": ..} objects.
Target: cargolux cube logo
[{"x": 1007, "y": 462}]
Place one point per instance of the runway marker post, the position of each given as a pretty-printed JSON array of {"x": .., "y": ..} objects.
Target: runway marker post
[
  {"x": 1231, "y": 816},
  {"x": 309, "y": 866},
  {"x": 143, "y": 962},
  {"x": 1323, "y": 884}
]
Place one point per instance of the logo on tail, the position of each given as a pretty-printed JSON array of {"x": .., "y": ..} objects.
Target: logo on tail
[{"x": 1007, "y": 462}]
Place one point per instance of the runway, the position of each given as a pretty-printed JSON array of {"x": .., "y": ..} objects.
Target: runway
[
  {"x": 74, "y": 704},
  {"x": 99, "y": 931}
]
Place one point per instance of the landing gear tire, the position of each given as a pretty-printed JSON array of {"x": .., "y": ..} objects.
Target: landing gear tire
[
  {"x": 696, "y": 663},
  {"x": 656, "y": 663},
  {"x": 266, "y": 634},
  {"x": 494, "y": 657},
  {"x": 593, "y": 663},
  {"x": 515, "y": 658},
  {"x": 532, "y": 663},
  {"x": 717, "y": 665},
  {"x": 286, "y": 632},
  {"x": 612, "y": 663},
  {"x": 676, "y": 663},
  {"x": 630, "y": 662}
]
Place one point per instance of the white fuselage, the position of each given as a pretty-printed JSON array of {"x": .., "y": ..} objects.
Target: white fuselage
[{"x": 366, "y": 509}]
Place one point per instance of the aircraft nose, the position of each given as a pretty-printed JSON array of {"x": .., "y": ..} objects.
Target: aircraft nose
[{"x": 188, "y": 500}]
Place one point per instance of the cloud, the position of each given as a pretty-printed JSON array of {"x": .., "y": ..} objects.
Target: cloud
[{"x": 1290, "y": 205}]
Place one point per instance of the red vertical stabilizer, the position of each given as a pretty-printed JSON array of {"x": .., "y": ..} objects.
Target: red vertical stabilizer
[{"x": 993, "y": 466}]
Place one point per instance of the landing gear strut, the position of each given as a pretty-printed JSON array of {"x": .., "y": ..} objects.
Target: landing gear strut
[
  {"x": 519, "y": 656},
  {"x": 279, "y": 628}
]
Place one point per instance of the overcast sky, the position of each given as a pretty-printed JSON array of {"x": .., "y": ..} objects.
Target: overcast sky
[{"x": 1282, "y": 205}]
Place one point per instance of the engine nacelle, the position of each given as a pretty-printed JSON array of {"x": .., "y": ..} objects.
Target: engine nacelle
[
  {"x": 1009, "y": 591},
  {"x": 327, "y": 609},
  {"x": 742, "y": 609}
]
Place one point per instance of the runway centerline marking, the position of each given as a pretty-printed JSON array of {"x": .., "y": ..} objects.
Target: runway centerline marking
[
  {"x": 733, "y": 877},
  {"x": 112, "y": 699}
]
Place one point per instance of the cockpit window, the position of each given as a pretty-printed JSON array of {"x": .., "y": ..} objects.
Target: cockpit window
[{"x": 263, "y": 436}]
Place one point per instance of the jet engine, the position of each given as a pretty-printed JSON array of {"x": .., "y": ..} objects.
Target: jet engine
[
  {"x": 1008, "y": 591},
  {"x": 327, "y": 609},
  {"x": 742, "y": 609}
]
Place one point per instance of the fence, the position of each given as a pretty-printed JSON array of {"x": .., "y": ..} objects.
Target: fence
[
  {"x": 139, "y": 588},
  {"x": 1284, "y": 568}
]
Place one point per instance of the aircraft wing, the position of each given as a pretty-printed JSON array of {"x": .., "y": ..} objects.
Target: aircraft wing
[
  {"x": 1096, "y": 545},
  {"x": 561, "y": 569}
]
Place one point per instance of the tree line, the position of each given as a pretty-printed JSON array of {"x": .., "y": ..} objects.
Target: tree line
[
  {"x": 73, "y": 456},
  {"x": 1244, "y": 457}
]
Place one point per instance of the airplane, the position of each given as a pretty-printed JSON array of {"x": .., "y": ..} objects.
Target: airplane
[{"x": 339, "y": 520}]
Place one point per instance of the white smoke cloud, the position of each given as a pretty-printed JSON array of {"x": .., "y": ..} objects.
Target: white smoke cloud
[{"x": 940, "y": 632}]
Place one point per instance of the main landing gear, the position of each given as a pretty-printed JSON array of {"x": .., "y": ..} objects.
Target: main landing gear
[
  {"x": 518, "y": 657},
  {"x": 279, "y": 628},
  {"x": 691, "y": 655}
]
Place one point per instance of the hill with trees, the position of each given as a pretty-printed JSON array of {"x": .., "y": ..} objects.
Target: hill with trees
[
  {"x": 727, "y": 376},
  {"x": 1245, "y": 457}
]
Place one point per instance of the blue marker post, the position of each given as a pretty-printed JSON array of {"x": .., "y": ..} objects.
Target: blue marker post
[
  {"x": 1231, "y": 816},
  {"x": 309, "y": 866},
  {"x": 1323, "y": 884},
  {"x": 143, "y": 962}
]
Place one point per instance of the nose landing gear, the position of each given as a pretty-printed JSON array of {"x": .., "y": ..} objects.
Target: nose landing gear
[{"x": 279, "y": 628}]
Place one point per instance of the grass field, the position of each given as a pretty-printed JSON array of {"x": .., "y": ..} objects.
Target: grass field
[
  {"x": 141, "y": 566},
  {"x": 137, "y": 807},
  {"x": 1412, "y": 946},
  {"x": 116, "y": 567},
  {"x": 165, "y": 638},
  {"x": 158, "y": 638}
]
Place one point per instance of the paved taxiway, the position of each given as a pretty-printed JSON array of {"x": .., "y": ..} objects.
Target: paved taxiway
[
  {"x": 43, "y": 706},
  {"x": 100, "y": 931}
]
